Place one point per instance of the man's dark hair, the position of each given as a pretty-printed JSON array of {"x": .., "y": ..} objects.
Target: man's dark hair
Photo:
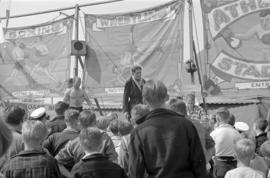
[
  {"x": 15, "y": 116},
  {"x": 135, "y": 68},
  {"x": 232, "y": 120},
  {"x": 60, "y": 107},
  {"x": 261, "y": 124}
]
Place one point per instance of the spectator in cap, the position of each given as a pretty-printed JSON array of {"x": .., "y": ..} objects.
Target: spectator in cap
[
  {"x": 55, "y": 142},
  {"x": 33, "y": 162},
  {"x": 245, "y": 149},
  {"x": 94, "y": 162},
  {"x": 57, "y": 124},
  {"x": 165, "y": 144},
  {"x": 39, "y": 114},
  {"x": 224, "y": 136}
]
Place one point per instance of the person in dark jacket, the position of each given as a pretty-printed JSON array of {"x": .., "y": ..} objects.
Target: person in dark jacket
[
  {"x": 164, "y": 144},
  {"x": 133, "y": 90},
  {"x": 94, "y": 163},
  {"x": 58, "y": 124},
  {"x": 261, "y": 136}
]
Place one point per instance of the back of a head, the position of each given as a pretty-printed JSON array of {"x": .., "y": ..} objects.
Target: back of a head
[
  {"x": 244, "y": 148},
  {"x": 261, "y": 124},
  {"x": 15, "y": 116},
  {"x": 179, "y": 107},
  {"x": 87, "y": 118},
  {"x": 232, "y": 120},
  {"x": 5, "y": 136},
  {"x": 154, "y": 92},
  {"x": 71, "y": 116},
  {"x": 70, "y": 82},
  {"x": 139, "y": 111},
  {"x": 34, "y": 132},
  {"x": 265, "y": 149},
  {"x": 103, "y": 122},
  {"x": 91, "y": 139},
  {"x": 120, "y": 127},
  {"x": 223, "y": 114},
  {"x": 60, "y": 107}
]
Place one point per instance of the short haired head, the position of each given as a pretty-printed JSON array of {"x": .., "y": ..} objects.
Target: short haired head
[
  {"x": 71, "y": 117},
  {"x": 135, "y": 68},
  {"x": 179, "y": 107},
  {"x": 223, "y": 114},
  {"x": 70, "y": 82},
  {"x": 138, "y": 111},
  {"x": 34, "y": 132},
  {"x": 244, "y": 148},
  {"x": 232, "y": 120},
  {"x": 265, "y": 149},
  {"x": 103, "y": 122},
  {"x": 261, "y": 124},
  {"x": 91, "y": 139},
  {"x": 60, "y": 107},
  {"x": 77, "y": 82},
  {"x": 15, "y": 116},
  {"x": 87, "y": 118},
  {"x": 120, "y": 127},
  {"x": 5, "y": 136},
  {"x": 154, "y": 93}
]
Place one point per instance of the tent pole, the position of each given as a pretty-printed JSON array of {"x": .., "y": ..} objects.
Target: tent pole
[
  {"x": 60, "y": 9},
  {"x": 191, "y": 38},
  {"x": 76, "y": 19}
]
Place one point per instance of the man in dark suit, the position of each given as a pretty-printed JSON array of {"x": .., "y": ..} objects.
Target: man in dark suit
[{"x": 133, "y": 90}]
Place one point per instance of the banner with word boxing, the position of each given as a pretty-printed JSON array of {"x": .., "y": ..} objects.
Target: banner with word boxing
[
  {"x": 238, "y": 46},
  {"x": 36, "y": 59},
  {"x": 151, "y": 38}
]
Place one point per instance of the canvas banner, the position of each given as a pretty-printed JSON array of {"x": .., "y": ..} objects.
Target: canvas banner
[
  {"x": 36, "y": 59},
  {"x": 115, "y": 42},
  {"x": 238, "y": 36}
]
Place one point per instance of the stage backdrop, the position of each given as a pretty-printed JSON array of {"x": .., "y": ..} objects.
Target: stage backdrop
[
  {"x": 151, "y": 38},
  {"x": 237, "y": 60},
  {"x": 35, "y": 60}
]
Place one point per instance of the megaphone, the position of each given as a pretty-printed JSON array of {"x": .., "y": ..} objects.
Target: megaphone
[{"x": 78, "y": 48}]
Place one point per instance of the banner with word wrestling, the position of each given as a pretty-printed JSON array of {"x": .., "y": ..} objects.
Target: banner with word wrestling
[
  {"x": 36, "y": 59},
  {"x": 151, "y": 38},
  {"x": 238, "y": 46}
]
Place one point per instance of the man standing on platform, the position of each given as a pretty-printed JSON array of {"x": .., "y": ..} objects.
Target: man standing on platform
[
  {"x": 76, "y": 96},
  {"x": 133, "y": 90}
]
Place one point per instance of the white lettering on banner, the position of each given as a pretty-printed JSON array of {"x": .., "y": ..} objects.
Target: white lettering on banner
[
  {"x": 222, "y": 16},
  {"x": 59, "y": 27},
  {"x": 31, "y": 92},
  {"x": 253, "y": 85},
  {"x": 242, "y": 69},
  {"x": 114, "y": 90},
  {"x": 29, "y": 106},
  {"x": 166, "y": 13}
]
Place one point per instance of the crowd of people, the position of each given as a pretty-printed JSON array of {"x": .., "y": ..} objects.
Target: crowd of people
[{"x": 155, "y": 136}]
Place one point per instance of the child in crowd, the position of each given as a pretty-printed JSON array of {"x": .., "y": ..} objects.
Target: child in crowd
[
  {"x": 245, "y": 149},
  {"x": 103, "y": 122},
  {"x": 119, "y": 128},
  {"x": 94, "y": 162},
  {"x": 260, "y": 126},
  {"x": 137, "y": 112},
  {"x": 33, "y": 162},
  {"x": 265, "y": 151}
]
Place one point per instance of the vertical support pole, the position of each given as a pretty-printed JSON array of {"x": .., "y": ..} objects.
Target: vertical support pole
[
  {"x": 191, "y": 37},
  {"x": 76, "y": 37}
]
